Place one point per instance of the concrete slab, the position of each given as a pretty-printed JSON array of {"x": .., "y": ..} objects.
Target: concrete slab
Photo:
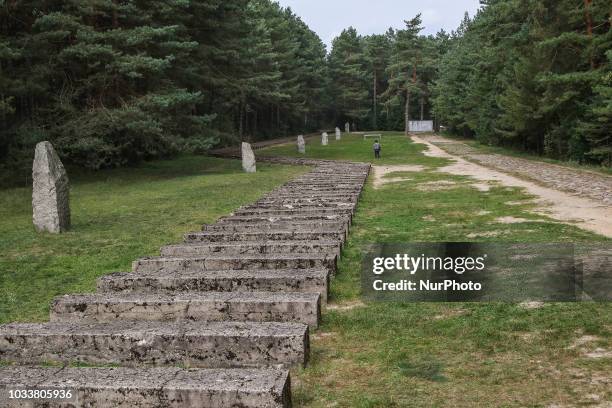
[
  {"x": 208, "y": 306},
  {"x": 266, "y": 235},
  {"x": 331, "y": 248},
  {"x": 265, "y": 280},
  {"x": 186, "y": 343},
  {"x": 221, "y": 262},
  {"x": 151, "y": 387}
]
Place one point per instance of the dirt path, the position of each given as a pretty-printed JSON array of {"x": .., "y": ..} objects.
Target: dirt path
[
  {"x": 585, "y": 212},
  {"x": 381, "y": 171}
]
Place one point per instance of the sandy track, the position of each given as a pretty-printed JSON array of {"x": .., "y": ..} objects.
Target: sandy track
[
  {"x": 381, "y": 171},
  {"x": 583, "y": 212}
]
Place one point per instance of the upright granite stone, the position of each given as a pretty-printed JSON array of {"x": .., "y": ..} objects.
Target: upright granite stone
[
  {"x": 338, "y": 134},
  {"x": 248, "y": 158},
  {"x": 301, "y": 144},
  {"x": 50, "y": 193},
  {"x": 324, "y": 139},
  {"x": 347, "y": 127}
]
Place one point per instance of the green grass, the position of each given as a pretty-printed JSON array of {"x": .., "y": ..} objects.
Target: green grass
[
  {"x": 445, "y": 354},
  {"x": 395, "y": 150},
  {"x": 366, "y": 354},
  {"x": 117, "y": 217}
]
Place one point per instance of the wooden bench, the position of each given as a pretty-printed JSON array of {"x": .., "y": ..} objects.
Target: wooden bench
[{"x": 378, "y": 135}]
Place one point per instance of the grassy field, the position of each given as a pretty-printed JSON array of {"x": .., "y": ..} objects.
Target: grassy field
[
  {"x": 117, "y": 216},
  {"x": 364, "y": 354},
  {"x": 444, "y": 354}
]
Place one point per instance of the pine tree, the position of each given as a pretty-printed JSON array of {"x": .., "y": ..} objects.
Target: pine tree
[
  {"x": 377, "y": 53},
  {"x": 596, "y": 127},
  {"x": 348, "y": 77},
  {"x": 403, "y": 70}
]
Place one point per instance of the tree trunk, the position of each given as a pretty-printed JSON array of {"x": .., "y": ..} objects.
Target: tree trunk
[
  {"x": 422, "y": 102},
  {"x": 589, "y": 26},
  {"x": 407, "y": 113},
  {"x": 247, "y": 132},
  {"x": 115, "y": 16},
  {"x": 240, "y": 118},
  {"x": 374, "y": 102},
  {"x": 588, "y": 17},
  {"x": 2, "y": 100}
]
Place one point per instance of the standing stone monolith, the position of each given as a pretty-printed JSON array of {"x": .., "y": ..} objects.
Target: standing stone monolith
[
  {"x": 301, "y": 144},
  {"x": 248, "y": 158},
  {"x": 347, "y": 127},
  {"x": 338, "y": 134},
  {"x": 324, "y": 139},
  {"x": 50, "y": 191}
]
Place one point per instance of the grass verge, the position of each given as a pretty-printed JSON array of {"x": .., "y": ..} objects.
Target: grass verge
[
  {"x": 117, "y": 216},
  {"x": 448, "y": 354}
]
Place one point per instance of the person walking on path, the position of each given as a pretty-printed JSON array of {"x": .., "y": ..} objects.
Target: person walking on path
[{"x": 376, "y": 149}]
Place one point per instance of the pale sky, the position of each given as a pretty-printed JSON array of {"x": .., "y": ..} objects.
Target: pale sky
[{"x": 329, "y": 17}]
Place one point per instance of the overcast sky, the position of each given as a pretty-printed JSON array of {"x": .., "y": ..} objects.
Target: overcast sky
[{"x": 329, "y": 17}]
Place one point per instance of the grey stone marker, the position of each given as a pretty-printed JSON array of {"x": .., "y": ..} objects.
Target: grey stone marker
[
  {"x": 324, "y": 139},
  {"x": 301, "y": 144},
  {"x": 338, "y": 134},
  {"x": 50, "y": 191},
  {"x": 347, "y": 127},
  {"x": 248, "y": 158}
]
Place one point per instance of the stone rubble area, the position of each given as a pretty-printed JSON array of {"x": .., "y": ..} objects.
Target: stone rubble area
[
  {"x": 579, "y": 182},
  {"x": 215, "y": 321}
]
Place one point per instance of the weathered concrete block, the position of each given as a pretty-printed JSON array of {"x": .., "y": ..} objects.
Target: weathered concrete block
[
  {"x": 305, "y": 189},
  {"x": 301, "y": 144},
  {"x": 209, "y": 306},
  {"x": 306, "y": 203},
  {"x": 314, "y": 177},
  {"x": 50, "y": 191},
  {"x": 264, "y": 280},
  {"x": 293, "y": 226},
  {"x": 303, "y": 204},
  {"x": 311, "y": 211},
  {"x": 236, "y": 262},
  {"x": 330, "y": 195},
  {"x": 150, "y": 387},
  {"x": 323, "y": 184},
  {"x": 191, "y": 344},
  {"x": 269, "y": 235},
  {"x": 248, "y": 158},
  {"x": 238, "y": 219},
  {"x": 329, "y": 248}
]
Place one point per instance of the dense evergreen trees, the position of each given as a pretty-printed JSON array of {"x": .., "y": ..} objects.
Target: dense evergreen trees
[
  {"x": 533, "y": 74},
  {"x": 381, "y": 81},
  {"x": 113, "y": 82},
  {"x": 529, "y": 74}
]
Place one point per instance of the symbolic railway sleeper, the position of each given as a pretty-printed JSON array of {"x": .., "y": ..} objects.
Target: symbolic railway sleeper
[{"x": 234, "y": 301}]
